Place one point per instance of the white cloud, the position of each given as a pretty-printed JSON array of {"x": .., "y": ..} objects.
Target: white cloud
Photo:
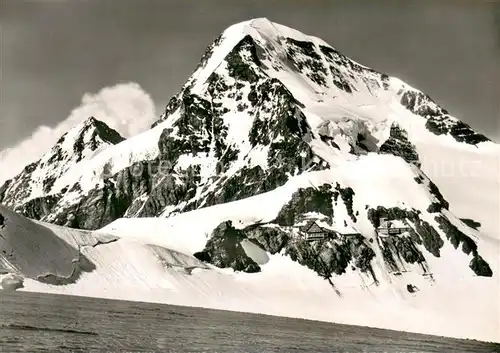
[{"x": 125, "y": 107}]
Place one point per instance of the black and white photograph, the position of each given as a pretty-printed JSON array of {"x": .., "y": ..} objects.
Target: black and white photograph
[{"x": 260, "y": 176}]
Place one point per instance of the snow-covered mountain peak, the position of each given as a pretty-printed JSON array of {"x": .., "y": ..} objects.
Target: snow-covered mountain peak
[
  {"x": 101, "y": 129},
  {"x": 329, "y": 85},
  {"x": 39, "y": 179},
  {"x": 274, "y": 130},
  {"x": 83, "y": 140},
  {"x": 266, "y": 104}
]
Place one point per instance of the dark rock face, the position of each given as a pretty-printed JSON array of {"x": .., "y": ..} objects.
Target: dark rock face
[
  {"x": 430, "y": 238},
  {"x": 200, "y": 130},
  {"x": 267, "y": 97},
  {"x": 238, "y": 67},
  {"x": 394, "y": 213},
  {"x": 398, "y": 145},
  {"x": 434, "y": 207},
  {"x": 438, "y": 120},
  {"x": 86, "y": 138},
  {"x": 420, "y": 104},
  {"x": 3, "y": 189},
  {"x": 457, "y": 237},
  {"x": 411, "y": 288},
  {"x": 209, "y": 51},
  {"x": 480, "y": 267},
  {"x": 303, "y": 253},
  {"x": 337, "y": 61},
  {"x": 224, "y": 250},
  {"x": 306, "y": 200},
  {"x": 334, "y": 259},
  {"x": 97, "y": 129},
  {"x": 402, "y": 248},
  {"x": 39, "y": 207},
  {"x": 175, "y": 101},
  {"x": 2, "y": 221},
  {"x": 471, "y": 223},
  {"x": 419, "y": 179},
  {"x": 440, "y": 202},
  {"x": 273, "y": 239},
  {"x": 332, "y": 256},
  {"x": 19, "y": 187},
  {"x": 425, "y": 234},
  {"x": 305, "y": 58},
  {"x": 460, "y": 131},
  {"x": 100, "y": 206},
  {"x": 346, "y": 194},
  {"x": 435, "y": 191},
  {"x": 278, "y": 126},
  {"x": 327, "y": 257},
  {"x": 93, "y": 134}
]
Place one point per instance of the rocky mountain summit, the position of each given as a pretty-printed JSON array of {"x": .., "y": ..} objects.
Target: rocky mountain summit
[{"x": 33, "y": 192}]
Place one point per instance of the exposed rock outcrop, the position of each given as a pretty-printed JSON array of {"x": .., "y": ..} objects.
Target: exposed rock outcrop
[
  {"x": 398, "y": 145},
  {"x": 224, "y": 250}
]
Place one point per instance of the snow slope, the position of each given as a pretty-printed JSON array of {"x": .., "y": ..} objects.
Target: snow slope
[
  {"x": 446, "y": 304},
  {"x": 469, "y": 178},
  {"x": 128, "y": 268}
]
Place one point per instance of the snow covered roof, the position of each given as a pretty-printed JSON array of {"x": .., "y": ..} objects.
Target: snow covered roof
[
  {"x": 392, "y": 224},
  {"x": 309, "y": 225},
  {"x": 313, "y": 215},
  {"x": 317, "y": 225},
  {"x": 314, "y": 226}
]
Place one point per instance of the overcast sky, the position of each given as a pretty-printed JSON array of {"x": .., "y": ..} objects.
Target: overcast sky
[{"x": 52, "y": 52}]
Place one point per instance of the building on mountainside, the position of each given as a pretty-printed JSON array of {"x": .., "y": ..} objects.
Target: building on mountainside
[
  {"x": 393, "y": 227},
  {"x": 313, "y": 231}
]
